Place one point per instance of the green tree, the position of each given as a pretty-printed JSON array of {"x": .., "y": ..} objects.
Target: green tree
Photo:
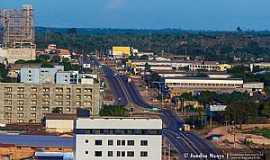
[
  {"x": 43, "y": 58},
  {"x": 266, "y": 109},
  {"x": 147, "y": 67},
  {"x": 115, "y": 111},
  {"x": 3, "y": 71},
  {"x": 20, "y": 61},
  {"x": 57, "y": 110}
]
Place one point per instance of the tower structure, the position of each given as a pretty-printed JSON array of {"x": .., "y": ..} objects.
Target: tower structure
[{"x": 17, "y": 27}]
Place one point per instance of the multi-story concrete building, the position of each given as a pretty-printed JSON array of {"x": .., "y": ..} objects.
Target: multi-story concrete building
[
  {"x": 39, "y": 75},
  {"x": 25, "y": 102},
  {"x": 118, "y": 138},
  {"x": 18, "y": 40},
  {"x": 67, "y": 77}
]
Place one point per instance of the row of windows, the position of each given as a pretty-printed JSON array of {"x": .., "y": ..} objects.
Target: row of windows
[
  {"x": 119, "y": 142},
  {"x": 58, "y": 96},
  {"x": 47, "y": 102},
  {"x": 119, "y": 153},
  {"x": 19, "y": 115},
  {"x": 34, "y": 89},
  {"x": 119, "y": 131},
  {"x": 204, "y": 84}
]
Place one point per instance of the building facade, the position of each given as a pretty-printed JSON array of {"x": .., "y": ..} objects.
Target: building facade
[
  {"x": 39, "y": 75},
  {"x": 179, "y": 85},
  {"x": 121, "y": 51},
  {"x": 117, "y": 138},
  {"x": 24, "y": 103},
  {"x": 67, "y": 77}
]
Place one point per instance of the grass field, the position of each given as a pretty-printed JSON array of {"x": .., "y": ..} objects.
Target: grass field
[{"x": 262, "y": 132}]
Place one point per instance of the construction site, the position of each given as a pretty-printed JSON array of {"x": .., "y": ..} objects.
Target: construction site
[{"x": 17, "y": 35}]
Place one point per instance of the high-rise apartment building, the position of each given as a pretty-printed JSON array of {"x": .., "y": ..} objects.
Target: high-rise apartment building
[
  {"x": 17, "y": 27},
  {"x": 17, "y": 38}
]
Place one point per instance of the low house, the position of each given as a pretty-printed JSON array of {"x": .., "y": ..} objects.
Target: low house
[{"x": 59, "y": 123}]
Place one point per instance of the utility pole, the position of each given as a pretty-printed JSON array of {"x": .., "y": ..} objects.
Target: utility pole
[
  {"x": 234, "y": 144},
  {"x": 161, "y": 93},
  {"x": 226, "y": 126},
  {"x": 169, "y": 154}
]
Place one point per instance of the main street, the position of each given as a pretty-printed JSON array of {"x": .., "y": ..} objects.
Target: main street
[{"x": 187, "y": 144}]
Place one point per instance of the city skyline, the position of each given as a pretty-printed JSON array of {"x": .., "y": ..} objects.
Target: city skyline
[{"x": 158, "y": 14}]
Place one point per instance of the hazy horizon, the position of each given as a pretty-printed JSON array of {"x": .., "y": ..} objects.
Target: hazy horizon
[{"x": 202, "y": 15}]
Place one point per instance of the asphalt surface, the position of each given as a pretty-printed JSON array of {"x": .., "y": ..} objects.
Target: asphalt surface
[{"x": 188, "y": 144}]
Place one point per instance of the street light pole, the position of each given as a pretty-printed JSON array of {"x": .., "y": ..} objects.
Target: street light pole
[{"x": 161, "y": 93}]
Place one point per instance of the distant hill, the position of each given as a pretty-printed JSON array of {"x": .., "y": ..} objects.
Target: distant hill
[{"x": 109, "y": 31}]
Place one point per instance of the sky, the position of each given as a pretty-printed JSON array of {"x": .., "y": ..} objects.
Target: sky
[{"x": 150, "y": 14}]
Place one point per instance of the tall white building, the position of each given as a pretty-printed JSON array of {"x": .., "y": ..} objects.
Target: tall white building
[{"x": 118, "y": 138}]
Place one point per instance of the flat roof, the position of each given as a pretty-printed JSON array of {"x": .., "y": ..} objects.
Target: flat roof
[
  {"x": 119, "y": 118},
  {"x": 118, "y": 123},
  {"x": 56, "y": 116},
  {"x": 201, "y": 78},
  {"x": 36, "y": 141}
]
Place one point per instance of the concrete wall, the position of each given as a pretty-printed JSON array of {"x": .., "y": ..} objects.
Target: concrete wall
[
  {"x": 59, "y": 125},
  {"x": 14, "y": 54},
  {"x": 85, "y": 146},
  {"x": 20, "y": 102}
]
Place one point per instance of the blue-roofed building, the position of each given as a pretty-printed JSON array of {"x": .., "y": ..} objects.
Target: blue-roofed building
[
  {"x": 53, "y": 156},
  {"x": 37, "y": 141}
]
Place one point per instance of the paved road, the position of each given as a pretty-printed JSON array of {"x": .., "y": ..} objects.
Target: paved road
[
  {"x": 186, "y": 143},
  {"x": 113, "y": 80}
]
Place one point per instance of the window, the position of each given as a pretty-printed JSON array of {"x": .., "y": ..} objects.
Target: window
[
  {"x": 86, "y": 141},
  {"x": 59, "y": 90},
  {"x": 20, "y": 102},
  {"x": 8, "y": 89},
  {"x": 78, "y": 103},
  {"x": 123, "y": 153},
  {"x": 34, "y": 89},
  {"x": 34, "y": 96},
  {"x": 20, "y": 95},
  {"x": 118, "y": 142},
  {"x": 20, "y": 108},
  {"x": 20, "y": 89},
  {"x": 86, "y": 152},
  {"x": 98, "y": 153},
  {"x": 118, "y": 154},
  {"x": 34, "y": 102},
  {"x": 8, "y": 108},
  {"x": 45, "y": 108},
  {"x": 144, "y": 154},
  {"x": 87, "y": 90},
  {"x": 144, "y": 143},
  {"x": 130, "y": 153},
  {"x": 33, "y": 108},
  {"x": 19, "y": 121},
  {"x": 33, "y": 114},
  {"x": 68, "y": 109},
  {"x": 110, "y": 142},
  {"x": 130, "y": 142},
  {"x": 20, "y": 115},
  {"x": 110, "y": 153},
  {"x": 98, "y": 142},
  {"x": 67, "y": 96},
  {"x": 68, "y": 90},
  {"x": 78, "y": 90},
  {"x": 123, "y": 142}
]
